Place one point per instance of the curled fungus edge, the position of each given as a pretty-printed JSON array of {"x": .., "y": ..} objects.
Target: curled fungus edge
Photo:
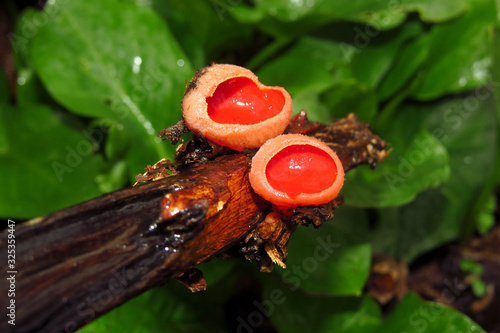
[
  {"x": 296, "y": 170},
  {"x": 229, "y": 106}
]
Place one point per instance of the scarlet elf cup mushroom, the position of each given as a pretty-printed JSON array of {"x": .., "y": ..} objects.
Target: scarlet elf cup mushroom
[
  {"x": 295, "y": 170},
  {"x": 229, "y": 106}
]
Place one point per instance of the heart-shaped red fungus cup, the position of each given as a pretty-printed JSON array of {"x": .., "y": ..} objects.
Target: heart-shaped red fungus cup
[
  {"x": 228, "y": 105},
  {"x": 296, "y": 170}
]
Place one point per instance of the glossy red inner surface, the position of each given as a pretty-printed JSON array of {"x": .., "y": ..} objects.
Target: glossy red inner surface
[
  {"x": 240, "y": 101},
  {"x": 301, "y": 169}
]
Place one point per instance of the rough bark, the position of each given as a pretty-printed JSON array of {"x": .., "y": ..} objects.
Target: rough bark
[{"x": 78, "y": 263}]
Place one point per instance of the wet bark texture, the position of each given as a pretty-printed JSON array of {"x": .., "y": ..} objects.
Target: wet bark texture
[{"x": 78, "y": 263}]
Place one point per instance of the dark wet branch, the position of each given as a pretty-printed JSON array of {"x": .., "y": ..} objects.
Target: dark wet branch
[{"x": 81, "y": 262}]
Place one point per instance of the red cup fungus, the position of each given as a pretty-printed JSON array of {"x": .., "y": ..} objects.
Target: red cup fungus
[
  {"x": 296, "y": 170},
  {"x": 228, "y": 105}
]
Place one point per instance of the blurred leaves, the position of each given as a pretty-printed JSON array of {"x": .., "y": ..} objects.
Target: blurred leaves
[
  {"x": 415, "y": 165},
  {"x": 4, "y": 97},
  {"x": 97, "y": 80},
  {"x": 103, "y": 68},
  {"x": 307, "y": 313},
  {"x": 297, "y": 312},
  {"x": 317, "y": 64},
  {"x": 467, "y": 129},
  {"x": 195, "y": 23},
  {"x": 460, "y": 53},
  {"x": 370, "y": 64},
  {"x": 170, "y": 309},
  {"x": 380, "y": 14},
  {"x": 486, "y": 217},
  {"x": 414, "y": 315}
]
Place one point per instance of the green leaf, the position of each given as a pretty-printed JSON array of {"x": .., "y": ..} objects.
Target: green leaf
[
  {"x": 334, "y": 261},
  {"x": 56, "y": 164},
  {"x": 437, "y": 11},
  {"x": 316, "y": 63},
  {"x": 195, "y": 23},
  {"x": 117, "y": 140},
  {"x": 349, "y": 96},
  {"x": 486, "y": 218},
  {"x": 190, "y": 29},
  {"x": 380, "y": 14},
  {"x": 29, "y": 88},
  {"x": 27, "y": 26},
  {"x": 471, "y": 266},
  {"x": 467, "y": 128},
  {"x": 331, "y": 79},
  {"x": 312, "y": 103},
  {"x": 408, "y": 231},
  {"x": 495, "y": 68},
  {"x": 479, "y": 288},
  {"x": 377, "y": 51},
  {"x": 405, "y": 65},
  {"x": 118, "y": 61},
  {"x": 215, "y": 270},
  {"x": 4, "y": 99},
  {"x": 460, "y": 54},
  {"x": 413, "y": 166},
  {"x": 174, "y": 308},
  {"x": 299, "y": 312},
  {"x": 413, "y": 315},
  {"x": 114, "y": 178},
  {"x": 166, "y": 309}
]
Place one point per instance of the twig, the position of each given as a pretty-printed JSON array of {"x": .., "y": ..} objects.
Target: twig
[{"x": 78, "y": 263}]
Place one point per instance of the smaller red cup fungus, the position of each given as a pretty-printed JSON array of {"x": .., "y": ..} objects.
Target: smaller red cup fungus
[
  {"x": 296, "y": 170},
  {"x": 228, "y": 105}
]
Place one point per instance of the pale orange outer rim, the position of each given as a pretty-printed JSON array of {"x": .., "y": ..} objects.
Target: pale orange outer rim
[
  {"x": 261, "y": 186},
  {"x": 238, "y": 137}
]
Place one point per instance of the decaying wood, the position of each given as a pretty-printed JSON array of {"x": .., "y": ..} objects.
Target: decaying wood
[{"x": 78, "y": 263}]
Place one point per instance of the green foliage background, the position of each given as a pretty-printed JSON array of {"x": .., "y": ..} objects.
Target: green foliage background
[{"x": 97, "y": 80}]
